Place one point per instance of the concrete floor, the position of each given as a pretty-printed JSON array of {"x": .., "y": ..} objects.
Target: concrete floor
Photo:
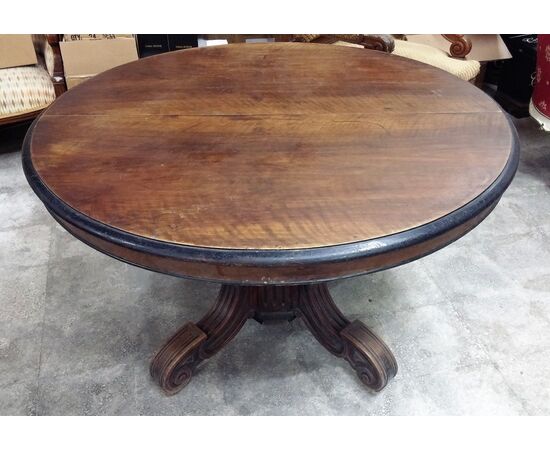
[{"x": 469, "y": 325}]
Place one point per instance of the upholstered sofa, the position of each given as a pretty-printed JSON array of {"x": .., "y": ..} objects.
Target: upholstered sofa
[{"x": 452, "y": 61}]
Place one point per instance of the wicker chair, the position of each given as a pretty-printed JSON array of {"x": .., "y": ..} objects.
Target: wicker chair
[{"x": 26, "y": 91}]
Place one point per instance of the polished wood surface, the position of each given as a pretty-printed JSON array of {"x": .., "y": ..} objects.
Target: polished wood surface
[
  {"x": 271, "y": 168},
  {"x": 270, "y": 146},
  {"x": 287, "y": 271}
]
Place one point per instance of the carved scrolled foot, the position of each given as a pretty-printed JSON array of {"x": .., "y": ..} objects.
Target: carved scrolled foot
[
  {"x": 174, "y": 364},
  {"x": 368, "y": 355}
]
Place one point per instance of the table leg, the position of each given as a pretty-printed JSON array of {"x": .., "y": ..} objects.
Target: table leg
[
  {"x": 365, "y": 351},
  {"x": 174, "y": 364}
]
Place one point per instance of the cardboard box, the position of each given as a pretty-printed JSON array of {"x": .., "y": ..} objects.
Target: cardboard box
[
  {"x": 85, "y": 58},
  {"x": 485, "y": 47},
  {"x": 16, "y": 50},
  {"x": 80, "y": 37}
]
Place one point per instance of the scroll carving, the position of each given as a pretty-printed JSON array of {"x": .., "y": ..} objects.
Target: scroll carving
[
  {"x": 460, "y": 45},
  {"x": 174, "y": 364}
]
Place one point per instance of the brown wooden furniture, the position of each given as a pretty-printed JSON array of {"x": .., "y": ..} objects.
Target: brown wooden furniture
[
  {"x": 271, "y": 168},
  {"x": 459, "y": 48},
  {"x": 382, "y": 42}
]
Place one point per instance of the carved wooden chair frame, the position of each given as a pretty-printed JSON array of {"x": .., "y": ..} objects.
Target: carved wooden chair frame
[{"x": 460, "y": 44}]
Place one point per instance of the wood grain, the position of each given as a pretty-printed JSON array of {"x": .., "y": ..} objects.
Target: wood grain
[
  {"x": 276, "y": 78},
  {"x": 263, "y": 148}
]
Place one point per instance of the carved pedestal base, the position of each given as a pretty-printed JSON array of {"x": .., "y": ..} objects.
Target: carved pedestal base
[{"x": 174, "y": 364}]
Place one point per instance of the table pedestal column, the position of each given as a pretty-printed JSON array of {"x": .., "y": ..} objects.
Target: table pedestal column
[{"x": 175, "y": 362}]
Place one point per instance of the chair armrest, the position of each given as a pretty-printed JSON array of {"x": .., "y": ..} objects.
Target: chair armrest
[
  {"x": 460, "y": 45},
  {"x": 380, "y": 42}
]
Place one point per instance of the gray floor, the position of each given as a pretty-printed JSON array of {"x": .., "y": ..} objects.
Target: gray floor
[{"x": 469, "y": 325}]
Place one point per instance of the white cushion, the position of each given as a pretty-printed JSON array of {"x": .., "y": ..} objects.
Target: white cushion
[{"x": 465, "y": 69}]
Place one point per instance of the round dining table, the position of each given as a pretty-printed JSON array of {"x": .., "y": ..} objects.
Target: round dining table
[{"x": 271, "y": 169}]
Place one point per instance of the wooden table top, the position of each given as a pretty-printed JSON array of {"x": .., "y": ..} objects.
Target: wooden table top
[{"x": 270, "y": 147}]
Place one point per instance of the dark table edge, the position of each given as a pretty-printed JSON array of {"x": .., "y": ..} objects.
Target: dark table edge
[{"x": 273, "y": 258}]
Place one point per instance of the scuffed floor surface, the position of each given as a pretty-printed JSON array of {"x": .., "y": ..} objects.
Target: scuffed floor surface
[{"x": 469, "y": 325}]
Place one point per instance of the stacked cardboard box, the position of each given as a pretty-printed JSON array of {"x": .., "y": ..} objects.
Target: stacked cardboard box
[
  {"x": 86, "y": 55},
  {"x": 16, "y": 50}
]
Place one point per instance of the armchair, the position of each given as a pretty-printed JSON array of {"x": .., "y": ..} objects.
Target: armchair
[{"x": 26, "y": 91}]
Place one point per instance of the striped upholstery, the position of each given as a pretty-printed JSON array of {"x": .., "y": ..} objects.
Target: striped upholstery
[{"x": 24, "y": 89}]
